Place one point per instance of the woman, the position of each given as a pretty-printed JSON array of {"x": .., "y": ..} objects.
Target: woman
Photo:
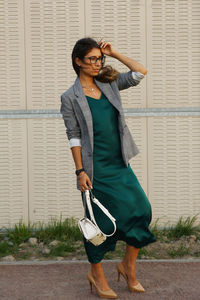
[{"x": 102, "y": 145}]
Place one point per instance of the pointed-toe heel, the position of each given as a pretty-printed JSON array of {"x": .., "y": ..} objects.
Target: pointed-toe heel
[
  {"x": 109, "y": 294},
  {"x": 133, "y": 288}
]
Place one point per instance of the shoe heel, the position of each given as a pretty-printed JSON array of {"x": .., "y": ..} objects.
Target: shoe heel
[
  {"x": 90, "y": 288},
  {"x": 118, "y": 275}
]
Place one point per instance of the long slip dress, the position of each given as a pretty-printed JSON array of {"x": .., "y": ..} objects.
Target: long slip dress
[{"x": 116, "y": 186}]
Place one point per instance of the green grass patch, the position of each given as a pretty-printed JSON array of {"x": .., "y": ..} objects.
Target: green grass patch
[
  {"x": 19, "y": 233},
  {"x": 58, "y": 230},
  {"x": 6, "y": 249},
  {"x": 143, "y": 252},
  {"x": 62, "y": 249},
  {"x": 71, "y": 240},
  {"x": 180, "y": 252},
  {"x": 119, "y": 251},
  {"x": 53, "y": 230},
  {"x": 184, "y": 227}
]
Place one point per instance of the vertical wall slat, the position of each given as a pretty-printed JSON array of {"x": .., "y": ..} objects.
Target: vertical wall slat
[
  {"x": 12, "y": 62},
  {"x": 174, "y": 167},
  {"x": 52, "y": 27},
  {"x": 13, "y": 172},
  {"x": 173, "y": 53}
]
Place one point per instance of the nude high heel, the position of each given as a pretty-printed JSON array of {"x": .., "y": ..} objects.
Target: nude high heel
[
  {"x": 133, "y": 288},
  {"x": 109, "y": 294}
]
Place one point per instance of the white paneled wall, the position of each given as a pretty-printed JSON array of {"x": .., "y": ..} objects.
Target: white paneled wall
[
  {"x": 52, "y": 186},
  {"x": 174, "y": 166},
  {"x": 52, "y": 28},
  {"x": 12, "y": 66},
  {"x": 13, "y": 172},
  {"x": 138, "y": 127},
  {"x": 173, "y": 53},
  {"x": 37, "y": 179}
]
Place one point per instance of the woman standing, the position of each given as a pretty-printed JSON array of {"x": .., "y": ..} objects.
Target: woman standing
[{"x": 102, "y": 146}]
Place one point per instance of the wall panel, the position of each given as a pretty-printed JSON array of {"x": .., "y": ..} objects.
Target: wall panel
[
  {"x": 12, "y": 61},
  {"x": 138, "y": 129},
  {"x": 173, "y": 54},
  {"x": 174, "y": 167},
  {"x": 13, "y": 172},
  {"x": 52, "y": 27}
]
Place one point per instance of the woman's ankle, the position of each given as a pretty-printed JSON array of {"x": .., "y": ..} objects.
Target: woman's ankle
[
  {"x": 97, "y": 270},
  {"x": 96, "y": 267},
  {"x": 99, "y": 276},
  {"x": 129, "y": 268},
  {"x": 128, "y": 263}
]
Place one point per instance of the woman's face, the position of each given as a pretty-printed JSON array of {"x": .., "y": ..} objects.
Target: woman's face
[{"x": 91, "y": 63}]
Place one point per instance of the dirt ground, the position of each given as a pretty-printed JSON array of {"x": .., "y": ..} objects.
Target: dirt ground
[{"x": 67, "y": 281}]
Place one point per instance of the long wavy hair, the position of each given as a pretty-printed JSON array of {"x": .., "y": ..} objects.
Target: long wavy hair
[{"x": 81, "y": 48}]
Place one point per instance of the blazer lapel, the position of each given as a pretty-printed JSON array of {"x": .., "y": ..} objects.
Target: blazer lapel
[
  {"x": 108, "y": 92},
  {"x": 82, "y": 101}
]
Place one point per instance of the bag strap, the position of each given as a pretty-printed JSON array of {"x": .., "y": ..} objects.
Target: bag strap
[{"x": 96, "y": 201}]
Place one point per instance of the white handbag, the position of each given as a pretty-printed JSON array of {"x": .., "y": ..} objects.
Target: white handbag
[{"x": 89, "y": 228}]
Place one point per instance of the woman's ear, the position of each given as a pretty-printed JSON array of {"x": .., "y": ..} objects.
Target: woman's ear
[{"x": 78, "y": 61}]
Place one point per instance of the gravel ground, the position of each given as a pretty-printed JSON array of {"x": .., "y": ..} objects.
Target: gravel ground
[{"x": 168, "y": 280}]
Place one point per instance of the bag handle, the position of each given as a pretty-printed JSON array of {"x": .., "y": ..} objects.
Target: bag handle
[{"x": 96, "y": 201}]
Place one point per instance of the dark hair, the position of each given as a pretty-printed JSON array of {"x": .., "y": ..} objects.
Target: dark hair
[{"x": 81, "y": 48}]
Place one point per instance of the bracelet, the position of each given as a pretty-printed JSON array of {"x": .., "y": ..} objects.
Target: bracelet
[{"x": 77, "y": 172}]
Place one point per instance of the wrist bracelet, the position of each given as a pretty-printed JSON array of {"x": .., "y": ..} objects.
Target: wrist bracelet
[{"x": 77, "y": 172}]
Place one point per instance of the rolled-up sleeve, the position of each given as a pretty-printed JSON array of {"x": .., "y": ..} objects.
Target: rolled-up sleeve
[
  {"x": 137, "y": 76},
  {"x": 73, "y": 131},
  {"x": 128, "y": 79},
  {"x": 74, "y": 142}
]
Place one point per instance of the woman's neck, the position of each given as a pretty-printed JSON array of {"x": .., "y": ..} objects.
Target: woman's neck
[{"x": 86, "y": 80}]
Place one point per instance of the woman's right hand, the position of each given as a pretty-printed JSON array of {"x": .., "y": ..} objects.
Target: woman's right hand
[{"x": 84, "y": 182}]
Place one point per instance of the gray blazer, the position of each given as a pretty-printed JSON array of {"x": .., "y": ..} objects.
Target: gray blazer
[{"x": 78, "y": 119}]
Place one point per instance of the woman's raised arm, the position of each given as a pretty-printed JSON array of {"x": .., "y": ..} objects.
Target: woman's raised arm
[{"x": 133, "y": 65}]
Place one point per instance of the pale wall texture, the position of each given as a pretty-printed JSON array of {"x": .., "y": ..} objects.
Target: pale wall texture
[{"x": 37, "y": 179}]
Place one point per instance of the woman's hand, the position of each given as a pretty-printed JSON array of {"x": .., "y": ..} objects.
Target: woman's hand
[
  {"x": 84, "y": 181},
  {"x": 107, "y": 48}
]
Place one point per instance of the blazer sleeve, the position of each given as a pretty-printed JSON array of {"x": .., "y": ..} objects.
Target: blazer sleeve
[
  {"x": 73, "y": 131},
  {"x": 128, "y": 79}
]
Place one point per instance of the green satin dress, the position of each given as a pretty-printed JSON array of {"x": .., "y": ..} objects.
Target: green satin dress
[{"x": 116, "y": 186}]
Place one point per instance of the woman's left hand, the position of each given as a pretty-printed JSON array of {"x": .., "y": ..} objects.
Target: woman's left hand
[{"x": 106, "y": 48}]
